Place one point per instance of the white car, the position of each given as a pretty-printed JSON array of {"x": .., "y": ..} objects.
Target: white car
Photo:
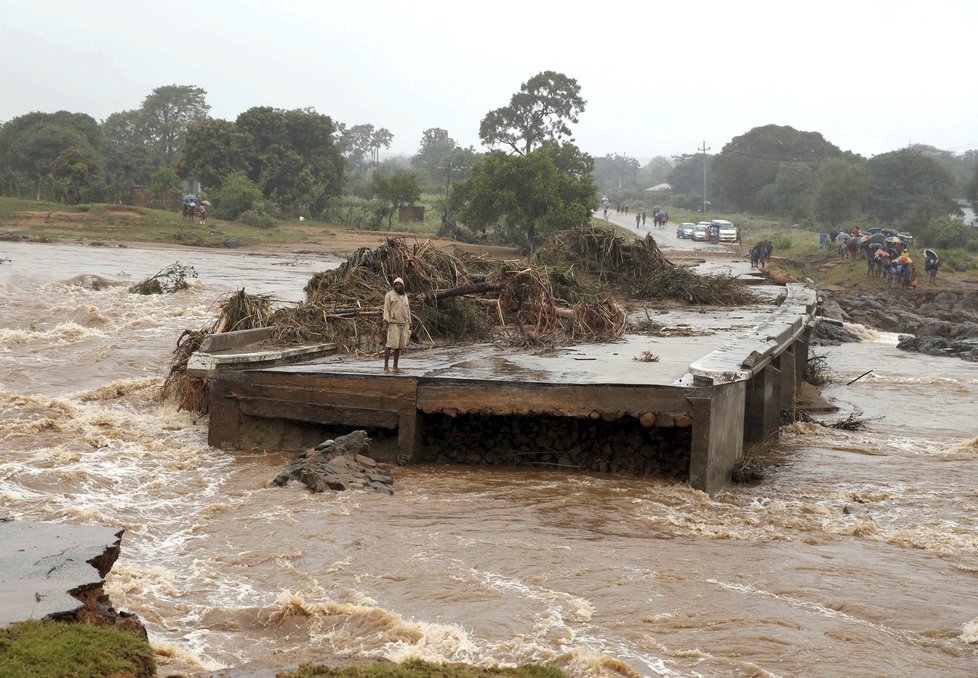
[
  {"x": 726, "y": 230},
  {"x": 701, "y": 231}
]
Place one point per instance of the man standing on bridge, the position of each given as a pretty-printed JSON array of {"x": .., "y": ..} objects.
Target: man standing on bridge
[{"x": 397, "y": 323}]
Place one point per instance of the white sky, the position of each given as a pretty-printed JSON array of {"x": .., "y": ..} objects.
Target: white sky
[{"x": 659, "y": 77}]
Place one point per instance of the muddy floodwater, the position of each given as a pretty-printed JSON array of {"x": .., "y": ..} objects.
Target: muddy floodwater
[{"x": 857, "y": 556}]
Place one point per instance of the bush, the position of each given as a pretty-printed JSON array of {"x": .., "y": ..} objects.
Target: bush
[
  {"x": 238, "y": 195},
  {"x": 782, "y": 242},
  {"x": 256, "y": 218}
]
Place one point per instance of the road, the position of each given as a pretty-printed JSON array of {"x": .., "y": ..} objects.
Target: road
[{"x": 716, "y": 258}]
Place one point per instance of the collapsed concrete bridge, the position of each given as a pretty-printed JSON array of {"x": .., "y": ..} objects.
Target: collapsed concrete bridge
[{"x": 686, "y": 410}]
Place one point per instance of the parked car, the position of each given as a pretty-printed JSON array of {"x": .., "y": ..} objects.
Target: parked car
[
  {"x": 701, "y": 231},
  {"x": 685, "y": 230},
  {"x": 726, "y": 230}
]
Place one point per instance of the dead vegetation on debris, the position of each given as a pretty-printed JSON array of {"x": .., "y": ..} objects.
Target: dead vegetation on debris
[
  {"x": 570, "y": 291},
  {"x": 171, "y": 279},
  {"x": 855, "y": 421}
]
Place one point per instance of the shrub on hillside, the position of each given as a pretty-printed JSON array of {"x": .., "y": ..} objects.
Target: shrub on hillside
[{"x": 256, "y": 218}]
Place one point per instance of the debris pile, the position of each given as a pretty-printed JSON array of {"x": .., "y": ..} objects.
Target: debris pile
[
  {"x": 171, "y": 279},
  {"x": 572, "y": 290},
  {"x": 339, "y": 464}
]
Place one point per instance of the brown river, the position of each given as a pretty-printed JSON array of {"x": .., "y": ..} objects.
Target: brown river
[{"x": 857, "y": 556}]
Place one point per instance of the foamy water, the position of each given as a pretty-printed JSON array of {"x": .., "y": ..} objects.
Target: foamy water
[{"x": 857, "y": 556}]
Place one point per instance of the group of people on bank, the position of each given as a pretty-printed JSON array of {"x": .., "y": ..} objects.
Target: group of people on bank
[
  {"x": 193, "y": 208},
  {"x": 887, "y": 255}
]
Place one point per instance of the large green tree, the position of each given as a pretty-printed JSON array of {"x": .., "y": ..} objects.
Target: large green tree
[
  {"x": 540, "y": 112},
  {"x": 140, "y": 141},
  {"x": 841, "y": 191},
  {"x": 791, "y": 193},
  {"x": 751, "y": 161},
  {"x": 168, "y": 112},
  {"x": 29, "y": 144},
  {"x": 77, "y": 171},
  {"x": 290, "y": 156},
  {"x": 523, "y": 197},
  {"x": 214, "y": 149},
  {"x": 908, "y": 188}
]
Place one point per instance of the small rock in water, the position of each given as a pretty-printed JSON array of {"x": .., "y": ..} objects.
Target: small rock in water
[{"x": 339, "y": 464}]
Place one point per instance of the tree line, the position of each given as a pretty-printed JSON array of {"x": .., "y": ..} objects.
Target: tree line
[
  {"x": 531, "y": 179},
  {"x": 800, "y": 177}
]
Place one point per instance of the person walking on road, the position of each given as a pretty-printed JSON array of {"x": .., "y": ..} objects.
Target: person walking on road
[
  {"x": 638, "y": 220},
  {"x": 397, "y": 323}
]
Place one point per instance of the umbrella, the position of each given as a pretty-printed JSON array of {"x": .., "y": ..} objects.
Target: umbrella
[
  {"x": 205, "y": 202},
  {"x": 189, "y": 197},
  {"x": 903, "y": 259},
  {"x": 893, "y": 239},
  {"x": 882, "y": 253},
  {"x": 877, "y": 238},
  {"x": 842, "y": 236},
  {"x": 931, "y": 254}
]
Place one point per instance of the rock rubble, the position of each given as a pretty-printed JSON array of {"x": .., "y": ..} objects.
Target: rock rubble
[{"x": 339, "y": 464}]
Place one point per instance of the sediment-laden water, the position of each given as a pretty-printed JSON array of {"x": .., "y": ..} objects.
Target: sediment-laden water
[{"x": 857, "y": 556}]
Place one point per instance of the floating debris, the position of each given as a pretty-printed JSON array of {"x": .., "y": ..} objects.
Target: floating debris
[{"x": 171, "y": 279}]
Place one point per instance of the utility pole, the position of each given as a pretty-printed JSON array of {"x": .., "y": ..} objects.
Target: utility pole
[{"x": 704, "y": 149}]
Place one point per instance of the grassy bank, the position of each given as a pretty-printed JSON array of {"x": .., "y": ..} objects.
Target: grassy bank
[
  {"x": 53, "y": 650},
  {"x": 101, "y": 222}
]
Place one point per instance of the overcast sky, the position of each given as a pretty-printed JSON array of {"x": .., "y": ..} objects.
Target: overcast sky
[{"x": 659, "y": 77}]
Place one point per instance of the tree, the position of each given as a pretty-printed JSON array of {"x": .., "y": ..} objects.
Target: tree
[
  {"x": 540, "y": 112},
  {"x": 29, "y": 144},
  {"x": 521, "y": 197},
  {"x": 397, "y": 190},
  {"x": 791, "y": 193},
  {"x": 840, "y": 192},
  {"x": 238, "y": 195},
  {"x": 360, "y": 141},
  {"x": 971, "y": 189},
  {"x": 616, "y": 171},
  {"x": 167, "y": 113},
  {"x": 291, "y": 156},
  {"x": 751, "y": 161},
  {"x": 163, "y": 185},
  {"x": 686, "y": 176},
  {"x": 213, "y": 150},
  {"x": 78, "y": 172},
  {"x": 909, "y": 188},
  {"x": 124, "y": 150},
  {"x": 440, "y": 159}
]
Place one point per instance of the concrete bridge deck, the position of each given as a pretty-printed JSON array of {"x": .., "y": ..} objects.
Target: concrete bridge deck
[{"x": 727, "y": 383}]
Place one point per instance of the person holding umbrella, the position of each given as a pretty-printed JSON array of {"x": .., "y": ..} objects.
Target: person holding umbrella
[
  {"x": 931, "y": 263},
  {"x": 189, "y": 206}
]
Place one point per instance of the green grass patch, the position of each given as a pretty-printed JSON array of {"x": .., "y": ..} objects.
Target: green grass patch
[
  {"x": 46, "y": 649},
  {"x": 137, "y": 224},
  {"x": 420, "y": 669}
]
